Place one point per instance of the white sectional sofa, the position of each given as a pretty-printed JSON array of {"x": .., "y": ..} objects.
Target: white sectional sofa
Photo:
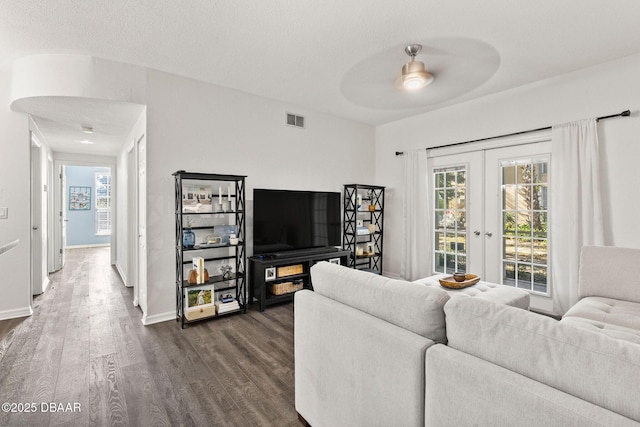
[
  {"x": 360, "y": 340},
  {"x": 360, "y": 344}
]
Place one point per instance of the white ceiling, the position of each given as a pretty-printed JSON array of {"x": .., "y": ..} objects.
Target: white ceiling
[{"x": 338, "y": 57}]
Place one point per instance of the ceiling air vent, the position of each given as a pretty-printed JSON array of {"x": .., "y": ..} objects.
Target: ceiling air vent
[{"x": 293, "y": 120}]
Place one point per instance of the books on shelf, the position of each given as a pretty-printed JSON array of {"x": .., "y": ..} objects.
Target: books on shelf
[
  {"x": 226, "y": 307},
  {"x": 198, "y": 267},
  {"x": 362, "y": 231}
]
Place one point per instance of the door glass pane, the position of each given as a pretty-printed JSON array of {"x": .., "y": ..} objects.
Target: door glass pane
[
  {"x": 525, "y": 224},
  {"x": 450, "y": 220},
  {"x": 439, "y": 241},
  {"x": 508, "y": 175},
  {"x": 439, "y": 199}
]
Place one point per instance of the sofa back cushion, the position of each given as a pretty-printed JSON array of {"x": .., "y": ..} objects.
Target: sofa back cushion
[
  {"x": 409, "y": 305},
  {"x": 585, "y": 364},
  {"x": 612, "y": 272}
]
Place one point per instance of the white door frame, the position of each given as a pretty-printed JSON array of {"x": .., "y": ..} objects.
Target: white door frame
[
  {"x": 39, "y": 277},
  {"x": 141, "y": 220},
  {"x": 460, "y": 155}
]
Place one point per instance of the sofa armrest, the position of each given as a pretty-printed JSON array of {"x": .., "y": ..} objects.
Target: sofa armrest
[
  {"x": 352, "y": 368},
  {"x": 463, "y": 390},
  {"x": 612, "y": 272}
]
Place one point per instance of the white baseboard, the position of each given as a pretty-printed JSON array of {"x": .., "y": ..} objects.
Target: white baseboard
[
  {"x": 99, "y": 245},
  {"x": 157, "y": 318},
  {"x": 16, "y": 313},
  {"x": 123, "y": 276},
  {"x": 45, "y": 284}
]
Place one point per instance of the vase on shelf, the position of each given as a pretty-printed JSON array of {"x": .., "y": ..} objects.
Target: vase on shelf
[{"x": 188, "y": 238}]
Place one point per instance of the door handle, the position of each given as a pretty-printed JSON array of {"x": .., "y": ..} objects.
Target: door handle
[
  {"x": 488, "y": 234},
  {"x": 34, "y": 228},
  {"x": 477, "y": 233}
]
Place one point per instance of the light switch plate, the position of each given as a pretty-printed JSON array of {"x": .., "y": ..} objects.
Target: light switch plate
[{"x": 4, "y": 213}]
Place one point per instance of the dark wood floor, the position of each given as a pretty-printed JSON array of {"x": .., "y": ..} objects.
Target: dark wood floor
[{"x": 85, "y": 344}]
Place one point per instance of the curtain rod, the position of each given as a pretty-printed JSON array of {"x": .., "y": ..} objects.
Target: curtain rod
[{"x": 625, "y": 113}]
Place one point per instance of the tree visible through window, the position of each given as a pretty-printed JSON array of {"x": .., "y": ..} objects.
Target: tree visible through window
[
  {"x": 103, "y": 203},
  {"x": 525, "y": 224}
]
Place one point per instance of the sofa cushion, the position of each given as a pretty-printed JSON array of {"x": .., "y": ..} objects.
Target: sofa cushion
[
  {"x": 485, "y": 290},
  {"x": 613, "y": 331},
  {"x": 588, "y": 365},
  {"x": 606, "y": 310},
  {"x": 611, "y": 272},
  {"x": 411, "y": 306}
]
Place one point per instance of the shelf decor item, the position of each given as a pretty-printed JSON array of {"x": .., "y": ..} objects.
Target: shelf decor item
[
  {"x": 198, "y": 302},
  {"x": 188, "y": 238},
  {"x": 285, "y": 287},
  {"x": 451, "y": 283}
]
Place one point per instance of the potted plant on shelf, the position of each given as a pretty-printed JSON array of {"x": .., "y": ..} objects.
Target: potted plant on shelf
[{"x": 372, "y": 204}]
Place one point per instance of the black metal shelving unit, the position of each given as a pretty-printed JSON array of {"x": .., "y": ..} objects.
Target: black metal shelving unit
[
  {"x": 364, "y": 204},
  {"x": 206, "y": 220}
]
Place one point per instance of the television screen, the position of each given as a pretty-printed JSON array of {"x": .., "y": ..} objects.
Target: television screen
[{"x": 286, "y": 220}]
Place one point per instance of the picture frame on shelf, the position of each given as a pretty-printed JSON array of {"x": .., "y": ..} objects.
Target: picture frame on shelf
[
  {"x": 195, "y": 296},
  {"x": 269, "y": 274},
  {"x": 199, "y": 302},
  {"x": 370, "y": 249},
  {"x": 196, "y": 199}
]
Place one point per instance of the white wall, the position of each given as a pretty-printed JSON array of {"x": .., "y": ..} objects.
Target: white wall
[
  {"x": 75, "y": 76},
  {"x": 204, "y": 128},
  {"x": 608, "y": 88},
  {"x": 14, "y": 194}
]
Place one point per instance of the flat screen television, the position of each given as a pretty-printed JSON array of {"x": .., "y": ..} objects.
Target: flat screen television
[{"x": 286, "y": 220}]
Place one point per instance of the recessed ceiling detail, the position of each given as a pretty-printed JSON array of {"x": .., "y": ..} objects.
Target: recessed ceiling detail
[{"x": 459, "y": 64}]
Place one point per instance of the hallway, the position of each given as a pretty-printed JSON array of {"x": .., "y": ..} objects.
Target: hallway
[{"x": 86, "y": 351}]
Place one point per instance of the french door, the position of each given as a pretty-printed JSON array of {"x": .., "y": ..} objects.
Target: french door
[{"x": 490, "y": 214}]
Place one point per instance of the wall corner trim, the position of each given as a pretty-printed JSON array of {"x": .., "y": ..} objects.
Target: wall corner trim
[
  {"x": 158, "y": 318},
  {"x": 16, "y": 313}
]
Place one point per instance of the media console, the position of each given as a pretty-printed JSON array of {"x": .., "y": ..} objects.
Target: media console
[
  {"x": 300, "y": 252},
  {"x": 291, "y": 270}
]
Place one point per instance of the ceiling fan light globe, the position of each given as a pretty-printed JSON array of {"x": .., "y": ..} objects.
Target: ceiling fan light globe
[{"x": 415, "y": 76}]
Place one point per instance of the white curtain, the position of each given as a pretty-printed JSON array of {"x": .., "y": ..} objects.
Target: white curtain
[
  {"x": 576, "y": 207},
  {"x": 416, "y": 256}
]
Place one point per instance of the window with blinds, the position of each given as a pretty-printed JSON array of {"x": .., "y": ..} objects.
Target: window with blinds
[{"x": 103, "y": 203}]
